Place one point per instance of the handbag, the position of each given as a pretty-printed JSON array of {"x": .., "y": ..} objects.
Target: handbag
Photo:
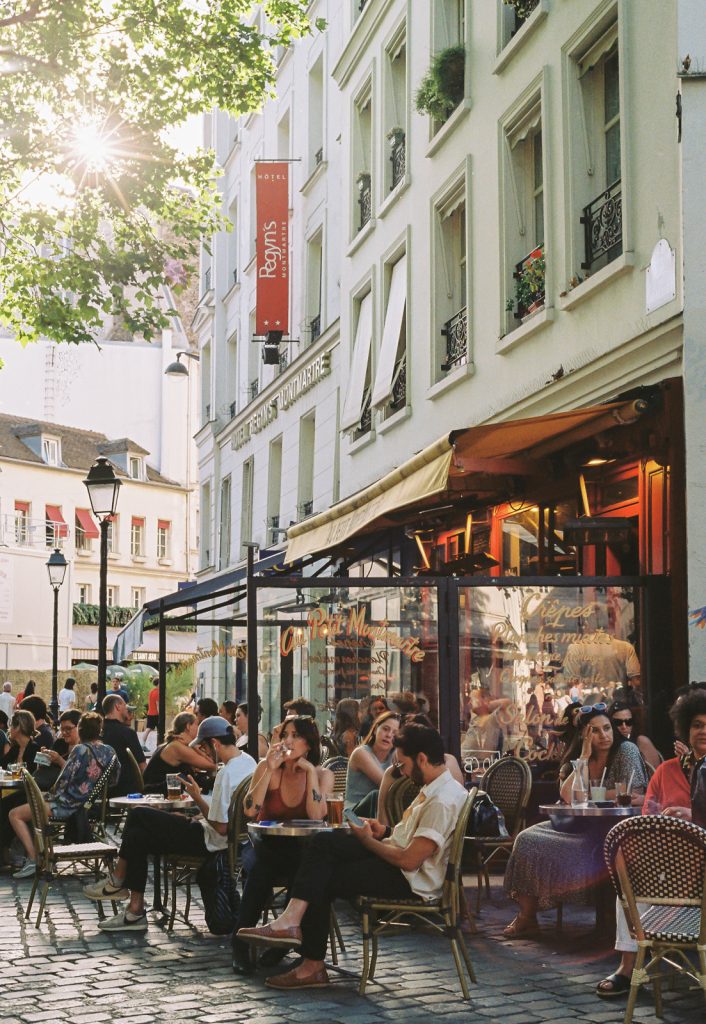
[
  {"x": 486, "y": 819},
  {"x": 221, "y": 899},
  {"x": 698, "y": 793}
]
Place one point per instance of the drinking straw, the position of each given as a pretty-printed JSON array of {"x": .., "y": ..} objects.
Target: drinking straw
[
  {"x": 632, "y": 776},
  {"x": 603, "y": 775}
]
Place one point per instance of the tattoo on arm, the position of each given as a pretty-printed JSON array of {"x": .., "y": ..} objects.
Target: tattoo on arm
[
  {"x": 317, "y": 796},
  {"x": 248, "y": 801}
]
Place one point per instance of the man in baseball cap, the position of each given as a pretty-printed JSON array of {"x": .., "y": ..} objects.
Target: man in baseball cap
[{"x": 149, "y": 831}]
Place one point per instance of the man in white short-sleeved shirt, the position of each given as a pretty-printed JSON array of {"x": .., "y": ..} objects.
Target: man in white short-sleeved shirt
[
  {"x": 372, "y": 861},
  {"x": 149, "y": 831}
]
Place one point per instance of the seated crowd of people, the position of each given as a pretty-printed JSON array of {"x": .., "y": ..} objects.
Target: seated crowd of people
[{"x": 380, "y": 741}]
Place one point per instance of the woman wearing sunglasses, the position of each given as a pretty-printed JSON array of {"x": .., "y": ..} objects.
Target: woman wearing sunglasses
[
  {"x": 546, "y": 866},
  {"x": 626, "y": 724}
]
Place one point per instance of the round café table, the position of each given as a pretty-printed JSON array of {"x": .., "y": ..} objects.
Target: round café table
[{"x": 297, "y": 829}]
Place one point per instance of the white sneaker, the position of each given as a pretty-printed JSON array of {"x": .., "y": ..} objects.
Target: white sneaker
[
  {"x": 105, "y": 890},
  {"x": 120, "y": 923},
  {"x": 28, "y": 870}
]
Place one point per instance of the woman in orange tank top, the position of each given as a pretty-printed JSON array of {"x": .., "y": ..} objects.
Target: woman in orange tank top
[{"x": 286, "y": 786}]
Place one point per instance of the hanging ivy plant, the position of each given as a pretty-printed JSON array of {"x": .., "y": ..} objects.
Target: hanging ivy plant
[
  {"x": 441, "y": 89},
  {"x": 523, "y": 8}
]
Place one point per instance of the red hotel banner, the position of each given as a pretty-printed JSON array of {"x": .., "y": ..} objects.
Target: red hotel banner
[{"x": 272, "y": 212}]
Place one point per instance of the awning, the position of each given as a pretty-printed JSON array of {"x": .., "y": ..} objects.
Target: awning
[
  {"x": 53, "y": 514},
  {"x": 382, "y": 389},
  {"x": 180, "y": 645},
  {"x": 86, "y": 523},
  {"x": 353, "y": 405},
  {"x": 466, "y": 460}
]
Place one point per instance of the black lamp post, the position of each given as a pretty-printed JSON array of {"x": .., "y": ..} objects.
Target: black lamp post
[
  {"x": 56, "y": 567},
  {"x": 102, "y": 485}
]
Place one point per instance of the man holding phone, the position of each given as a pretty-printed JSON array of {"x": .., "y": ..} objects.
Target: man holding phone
[{"x": 373, "y": 860}]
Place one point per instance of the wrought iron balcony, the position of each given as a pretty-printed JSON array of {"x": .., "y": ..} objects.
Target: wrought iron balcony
[
  {"x": 523, "y": 11},
  {"x": 232, "y": 409},
  {"x": 529, "y": 283},
  {"x": 603, "y": 227},
  {"x": 207, "y": 280},
  {"x": 319, "y": 156},
  {"x": 455, "y": 331},
  {"x": 283, "y": 361},
  {"x": 253, "y": 389},
  {"x": 361, "y": 5},
  {"x": 365, "y": 198},
  {"x": 235, "y": 277},
  {"x": 305, "y": 509},
  {"x": 366, "y": 415},
  {"x": 315, "y": 327},
  {"x": 398, "y": 398},
  {"x": 398, "y": 159}
]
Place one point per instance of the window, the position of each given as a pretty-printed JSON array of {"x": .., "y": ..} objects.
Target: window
[
  {"x": 246, "y": 499},
  {"x": 390, "y": 388},
  {"x": 112, "y": 538},
  {"x": 513, "y": 18},
  {"x": 233, "y": 238},
  {"x": 135, "y": 467},
  {"x": 524, "y": 213},
  {"x": 274, "y": 488},
  {"x": 232, "y": 375},
  {"x": 597, "y": 170},
  {"x": 137, "y": 597},
  {"x": 56, "y": 530},
  {"x": 252, "y": 387},
  {"x": 164, "y": 528},
  {"x": 283, "y": 138},
  {"x": 450, "y": 280},
  {"x": 206, "y": 384},
  {"x": 305, "y": 482},
  {"x": 84, "y": 593},
  {"x": 316, "y": 115},
  {"x": 313, "y": 285},
  {"x": 51, "y": 451},
  {"x": 205, "y": 517},
  {"x": 112, "y": 597},
  {"x": 137, "y": 537},
  {"x": 224, "y": 528},
  {"x": 362, "y": 160},
  {"x": 395, "y": 110},
  {"x": 357, "y": 410},
  {"x": 22, "y": 525},
  {"x": 85, "y": 530}
]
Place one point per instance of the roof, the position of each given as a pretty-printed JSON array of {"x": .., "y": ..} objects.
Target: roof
[
  {"x": 79, "y": 448},
  {"x": 122, "y": 444}
]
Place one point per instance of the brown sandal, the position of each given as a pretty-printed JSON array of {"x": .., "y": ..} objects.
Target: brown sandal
[{"x": 519, "y": 929}]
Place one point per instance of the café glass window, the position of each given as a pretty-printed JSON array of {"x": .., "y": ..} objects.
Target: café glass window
[
  {"x": 532, "y": 540},
  {"x": 330, "y": 642},
  {"x": 526, "y": 652}
]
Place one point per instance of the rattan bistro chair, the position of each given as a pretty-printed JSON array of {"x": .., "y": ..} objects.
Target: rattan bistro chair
[
  {"x": 237, "y": 828},
  {"x": 508, "y": 783},
  {"x": 339, "y": 767},
  {"x": 658, "y": 867},
  {"x": 441, "y": 915},
  {"x": 52, "y": 860},
  {"x": 399, "y": 796}
]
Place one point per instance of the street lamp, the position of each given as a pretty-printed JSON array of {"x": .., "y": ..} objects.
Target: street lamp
[
  {"x": 56, "y": 567},
  {"x": 102, "y": 485},
  {"x": 177, "y": 368}
]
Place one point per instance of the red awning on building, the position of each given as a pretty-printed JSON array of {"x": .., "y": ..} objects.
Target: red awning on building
[
  {"x": 53, "y": 514},
  {"x": 86, "y": 523},
  {"x": 163, "y": 524}
]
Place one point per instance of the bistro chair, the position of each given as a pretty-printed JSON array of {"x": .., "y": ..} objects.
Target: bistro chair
[
  {"x": 328, "y": 749},
  {"x": 658, "y": 867},
  {"x": 440, "y": 915},
  {"x": 399, "y": 796},
  {"x": 53, "y": 861},
  {"x": 339, "y": 767},
  {"x": 131, "y": 769},
  {"x": 237, "y": 828},
  {"x": 508, "y": 783}
]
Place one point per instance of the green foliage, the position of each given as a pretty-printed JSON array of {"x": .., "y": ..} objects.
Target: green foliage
[
  {"x": 529, "y": 284},
  {"x": 180, "y": 681},
  {"x": 441, "y": 89},
  {"x": 118, "y": 225},
  {"x": 88, "y": 615},
  {"x": 523, "y": 8}
]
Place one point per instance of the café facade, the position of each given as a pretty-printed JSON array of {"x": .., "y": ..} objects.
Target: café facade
[{"x": 499, "y": 573}]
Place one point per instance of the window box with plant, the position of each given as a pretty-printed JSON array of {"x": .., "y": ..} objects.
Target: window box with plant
[
  {"x": 529, "y": 277},
  {"x": 442, "y": 88},
  {"x": 396, "y": 140}
]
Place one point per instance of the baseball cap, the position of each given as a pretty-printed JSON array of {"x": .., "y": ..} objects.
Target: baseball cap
[{"x": 213, "y": 728}]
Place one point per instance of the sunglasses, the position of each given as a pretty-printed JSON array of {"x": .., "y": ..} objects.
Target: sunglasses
[
  {"x": 588, "y": 708},
  {"x": 623, "y": 721}
]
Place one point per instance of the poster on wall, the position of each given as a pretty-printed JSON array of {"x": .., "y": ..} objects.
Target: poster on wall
[
  {"x": 6, "y": 581},
  {"x": 272, "y": 213}
]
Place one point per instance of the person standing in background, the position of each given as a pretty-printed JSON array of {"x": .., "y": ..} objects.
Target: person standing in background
[
  {"x": 7, "y": 701},
  {"x": 67, "y": 697}
]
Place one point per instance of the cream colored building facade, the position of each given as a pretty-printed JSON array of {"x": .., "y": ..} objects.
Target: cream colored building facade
[{"x": 523, "y": 257}]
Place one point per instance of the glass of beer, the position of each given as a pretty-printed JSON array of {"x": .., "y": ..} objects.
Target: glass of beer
[
  {"x": 15, "y": 771},
  {"x": 173, "y": 787},
  {"x": 334, "y": 810},
  {"x": 623, "y": 797}
]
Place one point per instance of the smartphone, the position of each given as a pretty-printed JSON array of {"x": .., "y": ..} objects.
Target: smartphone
[{"x": 351, "y": 816}]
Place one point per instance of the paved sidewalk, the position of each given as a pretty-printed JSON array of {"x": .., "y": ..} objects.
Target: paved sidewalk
[{"x": 70, "y": 973}]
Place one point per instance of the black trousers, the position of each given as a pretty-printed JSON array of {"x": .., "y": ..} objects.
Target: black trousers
[
  {"x": 148, "y": 831},
  {"x": 7, "y": 833},
  {"x": 273, "y": 861},
  {"x": 334, "y": 865}
]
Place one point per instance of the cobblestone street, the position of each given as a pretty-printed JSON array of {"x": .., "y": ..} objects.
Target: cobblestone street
[{"x": 70, "y": 973}]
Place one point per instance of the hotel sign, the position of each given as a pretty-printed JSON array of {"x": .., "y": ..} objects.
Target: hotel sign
[{"x": 288, "y": 394}]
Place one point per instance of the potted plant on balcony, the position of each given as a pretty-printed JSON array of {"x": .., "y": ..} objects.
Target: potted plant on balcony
[
  {"x": 529, "y": 284},
  {"x": 441, "y": 90}
]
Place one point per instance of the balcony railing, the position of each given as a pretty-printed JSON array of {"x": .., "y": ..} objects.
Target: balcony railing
[
  {"x": 283, "y": 361},
  {"x": 18, "y": 531},
  {"x": 529, "y": 276},
  {"x": 319, "y": 156},
  {"x": 315, "y": 327},
  {"x": 398, "y": 398},
  {"x": 305, "y": 509},
  {"x": 455, "y": 331},
  {"x": 603, "y": 227},
  {"x": 365, "y": 198},
  {"x": 366, "y": 415},
  {"x": 232, "y": 409},
  {"x": 361, "y": 5},
  {"x": 398, "y": 160},
  {"x": 253, "y": 389}
]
